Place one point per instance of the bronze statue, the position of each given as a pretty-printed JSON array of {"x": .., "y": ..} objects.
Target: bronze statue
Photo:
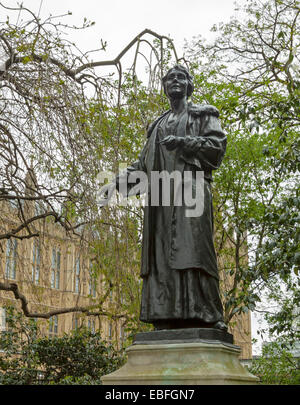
[{"x": 179, "y": 265}]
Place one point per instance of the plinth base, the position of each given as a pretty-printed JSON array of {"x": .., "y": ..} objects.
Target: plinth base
[{"x": 192, "y": 363}]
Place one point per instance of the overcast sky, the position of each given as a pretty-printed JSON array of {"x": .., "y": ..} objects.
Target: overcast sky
[{"x": 118, "y": 21}]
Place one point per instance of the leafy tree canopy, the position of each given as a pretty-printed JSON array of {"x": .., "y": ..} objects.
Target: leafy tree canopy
[{"x": 80, "y": 357}]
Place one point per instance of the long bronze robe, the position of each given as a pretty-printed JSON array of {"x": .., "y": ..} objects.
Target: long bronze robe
[{"x": 179, "y": 266}]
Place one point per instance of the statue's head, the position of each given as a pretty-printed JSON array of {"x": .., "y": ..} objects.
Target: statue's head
[{"x": 180, "y": 70}]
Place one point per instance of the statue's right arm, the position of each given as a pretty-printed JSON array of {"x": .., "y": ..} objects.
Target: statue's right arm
[{"x": 121, "y": 182}]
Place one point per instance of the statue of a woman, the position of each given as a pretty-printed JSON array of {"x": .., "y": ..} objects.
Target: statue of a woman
[{"x": 179, "y": 265}]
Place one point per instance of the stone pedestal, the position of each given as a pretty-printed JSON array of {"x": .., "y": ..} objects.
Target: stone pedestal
[{"x": 166, "y": 357}]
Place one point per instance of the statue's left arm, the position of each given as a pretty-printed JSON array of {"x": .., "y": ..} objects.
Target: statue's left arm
[{"x": 209, "y": 145}]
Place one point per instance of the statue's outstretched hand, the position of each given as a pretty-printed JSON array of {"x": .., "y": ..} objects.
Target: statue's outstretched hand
[
  {"x": 171, "y": 142},
  {"x": 106, "y": 193}
]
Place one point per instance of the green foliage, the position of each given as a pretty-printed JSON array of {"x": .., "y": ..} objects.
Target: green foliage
[
  {"x": 284, "y": 322},
  {"x": 276, "y": 366},
  {"x": 80, "y": 357},
  {"x": 45, "y": 122},
  {"x": 18, "y": 363}
]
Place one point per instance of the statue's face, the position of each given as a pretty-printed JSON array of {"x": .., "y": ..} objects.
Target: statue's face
[{"x": 176, "y": 84}]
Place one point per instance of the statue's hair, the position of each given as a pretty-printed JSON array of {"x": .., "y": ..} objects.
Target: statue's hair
[{"x": 181, "y": 68}]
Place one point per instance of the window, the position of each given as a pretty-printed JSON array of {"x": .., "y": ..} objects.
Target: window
[
  {"x": 36, "y": 258},
  {"x": 75, "y": 322},
  {"x": 77, "y": 275},
  {"x": 122, "y": 333},
  {"x": 38, "y": 208},
  {"x": 35, "y": 324},
  {"x": 53, "y": 326},
  {"x": 92, "y": 281},
  {"x": 2, "y": 320},
  {"x": 55, "y": 269},
  {"x": 110, "y": 331},
  {"x": 11, "y": 258},
  {"x": 14, "y": 202},
  {"x": 91, "y": 325}
]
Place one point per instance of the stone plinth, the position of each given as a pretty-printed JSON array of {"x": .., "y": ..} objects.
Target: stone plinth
[
  {"x": 187, "y": 335},
  {"x": 169, "y": 361}
]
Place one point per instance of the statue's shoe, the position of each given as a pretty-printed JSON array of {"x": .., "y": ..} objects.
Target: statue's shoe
[{"x": 220, "y": 325}]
